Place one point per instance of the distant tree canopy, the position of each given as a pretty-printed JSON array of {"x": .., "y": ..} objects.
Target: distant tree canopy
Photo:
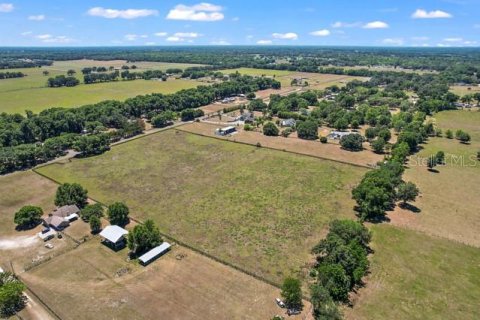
[
  {"x": 62, "y": 81},
  {"x": 118, "y": 214},
  {"x": 292, "y": 293},
  {"x": 270, "y": 129},
  {"x": 91, "y": 210},
  {"x": 92, "y": 144},
  {"x": 69, "y": 194},
  {"x": 12, "y": 299},
  {"x": 352, "y": 142},
  {"x": 143, "y": 237},
  {"x": 307, "y": 130},
  {"x": 28, "y": 217}
]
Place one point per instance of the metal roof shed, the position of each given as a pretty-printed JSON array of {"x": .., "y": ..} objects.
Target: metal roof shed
[
  {"x": 113, "y": 233},
  {"x": 154, "y": 253}
]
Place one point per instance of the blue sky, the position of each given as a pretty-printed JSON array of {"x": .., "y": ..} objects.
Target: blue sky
[{"x": 245, "y": 22}]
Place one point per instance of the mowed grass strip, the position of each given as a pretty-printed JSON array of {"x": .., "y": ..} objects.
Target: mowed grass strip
[
  {"x": 415, "y": 276},
  {"x": 259, "y": 209},
  {"x": 258, "y": 72}
]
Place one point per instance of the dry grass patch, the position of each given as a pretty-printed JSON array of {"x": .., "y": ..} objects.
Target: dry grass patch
[{"x": 105, "y": 286}]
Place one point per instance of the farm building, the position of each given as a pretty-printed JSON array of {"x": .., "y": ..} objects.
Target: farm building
[
  {"x": 337, "y": 135},
  {"x": 225, "y": 131},
  {"x": 154, "y": 253},
  {"x": 246, "y": 117},
  {"x": 288, "y": 123},
  {"x": 114, "y": 236}
]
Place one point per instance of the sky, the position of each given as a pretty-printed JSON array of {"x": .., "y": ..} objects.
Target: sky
[{"x": 408, "y": 23}]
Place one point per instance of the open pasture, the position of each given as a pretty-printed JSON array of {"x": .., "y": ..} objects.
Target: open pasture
[
  {"x": 180, "y": 285},
  {"x": 464, "y": 90},
  {"x": 259, "y": 209},
  {"x": 31, "y": 92},
  {"x": 416, "y": 276},
  {"x": 449, "y": 199}
]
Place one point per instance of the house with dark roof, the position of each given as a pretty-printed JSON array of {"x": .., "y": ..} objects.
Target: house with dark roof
[{"x": 61, "y": 217}]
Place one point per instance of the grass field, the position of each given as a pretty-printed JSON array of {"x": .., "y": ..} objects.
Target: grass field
[
  {"x": 330, "y": 151},
  {"x": 31, "y": 93},
  {"x": 414, "y": 276},
  {"x": 193, "y": 287},
  {"x": 464, "y": 90},
  {"x": 258, "y": 72},
  {"x": 449, "y": 199},
  {"x": 259, "y": 209}
]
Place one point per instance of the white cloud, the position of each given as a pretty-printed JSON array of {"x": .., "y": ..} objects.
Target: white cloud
[
  {"x": 476, "y": 26},
  {"x": 453, "y": 39},
  {"x": 6, "y": 7},
  {"x": 150, "y": 43},
  {"x": 435, "y": 14},
  {"x": 183, "y": 36},
  {"x": 174, "y": 39},
  {"x": 264, "y": 42},
  {"x": 286, "y": 36},
  {"x": 133, "y": 37},
  {"x": 48, "y": 38},
  {"x": 26, "y": 33},
  {"x": 376, "y": 25},
  {"x": 122, "y": 14},
  {"x": 39, "y": 17},
  {"x": 235, "y": 19},
  {"x": 199, "y": 12},
  {"x": 393, "y": 41},
  {"x": 420, "y": 38},
  {"x": 220, "y": 43},
  {"x": 187, "y": 35},
  {"x": 340, "y": 24},
  {"x": 161, "y": 34},
  {"x": 321, "y": 33}
]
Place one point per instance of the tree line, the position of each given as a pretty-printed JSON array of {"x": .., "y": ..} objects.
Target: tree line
[{"x": 13, "y": 74}]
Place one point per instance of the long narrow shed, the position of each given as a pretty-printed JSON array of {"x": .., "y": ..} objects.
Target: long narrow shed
[{"x": 154, "y": 253}]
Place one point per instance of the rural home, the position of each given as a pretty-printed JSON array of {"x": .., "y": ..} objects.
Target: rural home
[
  {"x": 154, "y": 253},
  {"x": 114, "y": 236},
  {"x": 60, "y": 218},
  {"x": 288, "y": 123}
]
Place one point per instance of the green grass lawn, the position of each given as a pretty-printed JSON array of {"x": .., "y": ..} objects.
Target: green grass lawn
[
  {"x": 258, "y": 72},
  {"x": 414, "y": 276},
  {"x": 31, "y": 93},
  {"x": 259, "y": 209}
]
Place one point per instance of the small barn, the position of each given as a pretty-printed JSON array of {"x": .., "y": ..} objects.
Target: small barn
[
  {"x": 225, "y": 131},
  {"x": 114, "y": 237},
  {"x": 154, "y": 253},
  {"x": 337, "y": 135}
]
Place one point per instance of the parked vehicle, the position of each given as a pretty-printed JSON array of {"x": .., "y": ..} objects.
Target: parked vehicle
[
  {"x": 49, "y": 245},
  {"x": 292, "y": 312},
  {"x": 280, "y": 303}
]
